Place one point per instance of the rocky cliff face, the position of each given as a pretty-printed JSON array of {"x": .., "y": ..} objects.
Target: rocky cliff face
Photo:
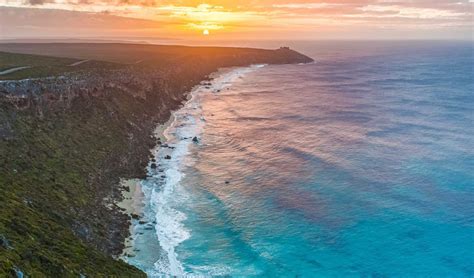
[{"x": 64, "y": 144}]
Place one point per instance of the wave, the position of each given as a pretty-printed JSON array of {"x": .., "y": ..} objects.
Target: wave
[{"x": 168, "y": 197}]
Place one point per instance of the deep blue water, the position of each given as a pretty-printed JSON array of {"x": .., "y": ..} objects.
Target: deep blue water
[{"x": 361, "y": 164}]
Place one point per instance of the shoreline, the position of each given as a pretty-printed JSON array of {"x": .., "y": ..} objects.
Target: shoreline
[
  {"x": 132, "y": 206},
  {"x": 160, "y": 174},
  {"x": 133, "y": 199},
  {"x": 74, "y": 134},
  {"x": 132, "y": 203}
]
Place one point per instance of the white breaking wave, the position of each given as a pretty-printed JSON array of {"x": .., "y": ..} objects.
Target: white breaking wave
[{"x": 166, "y": 200}]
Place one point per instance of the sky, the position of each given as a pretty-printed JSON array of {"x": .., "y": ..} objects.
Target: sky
[{"x": 237, "y": 19}]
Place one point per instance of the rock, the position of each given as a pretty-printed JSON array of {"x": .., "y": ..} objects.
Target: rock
[
  {"x": 28, "y": 202},
  {"x": 127, "y": 103},
  {"x": 195, "y": 139},
  {"x": 167, "y": 157},
  {"x": 18, "y": 272},
  {"x": 153, "y": 166},
  {"x": 163, "y": 176},
  {"x": 4, "y": 242},
  {"x": 141, "y": 222},
  {"x": 153, "y": 160},
  {"x": 227, "y": 182},
  {"x": 126, "y": 188}
]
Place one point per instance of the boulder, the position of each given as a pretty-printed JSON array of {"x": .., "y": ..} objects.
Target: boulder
[{"x": 4, "y": 242}]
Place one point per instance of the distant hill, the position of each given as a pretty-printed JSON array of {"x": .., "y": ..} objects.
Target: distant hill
[
  {"x": 37, "y": 66},
  {"x": 132, "y": 53},
  {"x": 52, "y": 59}
]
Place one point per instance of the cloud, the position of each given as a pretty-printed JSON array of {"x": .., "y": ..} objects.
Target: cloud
[
  {"x": 274, "y": 16},
  {"x": 306, "y": 5},
  {"x": 30, "y": 22},
  {"x": 410, "y": 12},
  {"x": 36, "y": 2}
]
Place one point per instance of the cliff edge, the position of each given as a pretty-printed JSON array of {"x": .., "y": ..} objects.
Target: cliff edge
[{"x": 71, "y": 126}]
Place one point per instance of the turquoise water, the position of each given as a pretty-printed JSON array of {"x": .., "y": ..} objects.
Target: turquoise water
[{"x": 360, "y": 164}]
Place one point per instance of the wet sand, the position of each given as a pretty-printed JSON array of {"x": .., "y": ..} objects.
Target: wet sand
[{"x": 132, "y": 201}]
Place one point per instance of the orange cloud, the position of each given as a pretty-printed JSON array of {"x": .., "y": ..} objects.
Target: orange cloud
[{"x": 305, "y": 19}]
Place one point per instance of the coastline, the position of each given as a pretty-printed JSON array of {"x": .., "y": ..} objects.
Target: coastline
[
  {"x": 168, "y": 160},
  {"x": 75, "y": 135},
  {"x": 132, "y": 203},
  {"x": 132, "y": 191}
]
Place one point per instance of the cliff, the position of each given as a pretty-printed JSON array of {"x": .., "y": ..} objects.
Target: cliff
[{"x": 67, "y": 139}]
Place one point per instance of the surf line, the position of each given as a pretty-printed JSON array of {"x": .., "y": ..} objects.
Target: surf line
[{"x": 168, "y": 197}]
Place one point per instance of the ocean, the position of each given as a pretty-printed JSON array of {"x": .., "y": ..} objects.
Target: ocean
[{"x": 360, "y": 164}]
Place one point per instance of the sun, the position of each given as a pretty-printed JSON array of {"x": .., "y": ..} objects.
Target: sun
[{"x": 205, "y": 32}]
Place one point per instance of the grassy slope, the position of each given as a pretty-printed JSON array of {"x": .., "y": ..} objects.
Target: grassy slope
[
  {"x": 44, "y": 66},
  {"x": 121, "y": 53},
  {"x": 44, "y": 190},
  {"x": 55, "y": 169},
  {"x": 144, "y": 54}
]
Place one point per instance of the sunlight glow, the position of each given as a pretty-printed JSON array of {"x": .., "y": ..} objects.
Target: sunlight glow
[{"x": 265, "y": 19}]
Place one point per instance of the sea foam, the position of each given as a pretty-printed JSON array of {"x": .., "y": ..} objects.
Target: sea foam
[{"x": 168, "y": 196}]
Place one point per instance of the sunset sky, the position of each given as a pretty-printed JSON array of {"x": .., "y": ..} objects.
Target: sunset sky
[{"x": 238, "y": 19}]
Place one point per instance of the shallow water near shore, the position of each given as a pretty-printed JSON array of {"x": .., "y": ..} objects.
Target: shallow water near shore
[{"x": 359, "y": 164}]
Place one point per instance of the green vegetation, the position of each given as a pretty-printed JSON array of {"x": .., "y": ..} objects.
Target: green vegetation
[
  {"x": 125, "y": 53},
  {"x": 156, "y": 56},
  {"x": 62, "y": 153},
  {"x": 46, "y": 198},
  {"x": 45, "y": 66}
]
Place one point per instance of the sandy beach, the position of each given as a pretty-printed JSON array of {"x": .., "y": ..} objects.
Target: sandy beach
[{"x": 132, "y": 202}]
